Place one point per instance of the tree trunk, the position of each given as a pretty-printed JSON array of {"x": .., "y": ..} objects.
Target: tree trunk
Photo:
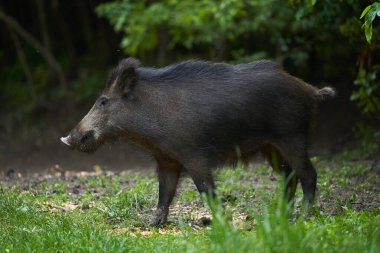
[
  {"x": 43, "y": 26},
  {"x": 67, "y": 36},
  {"x": 52, "y": 62},
  {"x": 25, "y": 66}
]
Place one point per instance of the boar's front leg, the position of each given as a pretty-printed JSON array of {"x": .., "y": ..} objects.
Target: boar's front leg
[
  {"x": 168, "y": 174},
  {"x": 201, "y": 173}
]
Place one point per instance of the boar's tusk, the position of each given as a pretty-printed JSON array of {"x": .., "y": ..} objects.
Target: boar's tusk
[{"x": 66, "y": 140}]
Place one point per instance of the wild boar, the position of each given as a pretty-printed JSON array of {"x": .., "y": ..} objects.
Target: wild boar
[{"x": 194, "y": 116}]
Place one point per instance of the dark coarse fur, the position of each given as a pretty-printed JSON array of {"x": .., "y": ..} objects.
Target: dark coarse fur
[
  {"x": 215, "y": 109},
  {"x": 198, "y": 115}
]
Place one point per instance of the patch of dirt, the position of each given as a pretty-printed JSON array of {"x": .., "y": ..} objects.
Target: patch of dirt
[
  {"x": 361, "y": 193},
  {"x": 71, "y": 179},
  {"x": 29, "y": 161}
]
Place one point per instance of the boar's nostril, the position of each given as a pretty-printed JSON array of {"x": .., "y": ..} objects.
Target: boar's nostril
[
  {"x": 86, "y": 137},
  {"x": 66, "y": 140}
]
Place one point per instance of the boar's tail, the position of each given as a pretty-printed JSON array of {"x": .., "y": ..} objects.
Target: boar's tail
[{"x": 325, "y": 93}]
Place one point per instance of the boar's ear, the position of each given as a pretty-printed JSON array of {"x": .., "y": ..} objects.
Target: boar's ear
[{"x": 127, "y": 75}]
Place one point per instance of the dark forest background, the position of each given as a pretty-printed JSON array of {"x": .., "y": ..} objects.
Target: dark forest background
[{"x": 55, "y": 56}]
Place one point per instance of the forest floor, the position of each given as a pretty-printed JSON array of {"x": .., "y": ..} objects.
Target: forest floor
[{"x": 108, "y": 211}]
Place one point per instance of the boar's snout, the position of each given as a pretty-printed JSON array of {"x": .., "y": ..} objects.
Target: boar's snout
[
  {"x": 87, "y": 137},
  {"x": 83, "y": 141}
]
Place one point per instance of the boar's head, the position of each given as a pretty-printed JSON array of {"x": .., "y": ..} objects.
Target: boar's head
[{"x": 105, "y": 119}]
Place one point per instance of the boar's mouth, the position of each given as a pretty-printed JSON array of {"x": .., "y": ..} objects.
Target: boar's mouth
[{"x": 84, "y": 143}]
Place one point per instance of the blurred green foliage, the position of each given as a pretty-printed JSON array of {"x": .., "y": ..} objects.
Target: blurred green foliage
[
  {"x": 280, "y": 27},
  {"x": 186, "y": 22},
  {"x": 17, "y": 96},
  {"x": 368, "y": 94}
]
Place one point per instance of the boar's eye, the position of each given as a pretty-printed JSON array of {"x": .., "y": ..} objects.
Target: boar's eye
[{"x": 103, "y": 101}]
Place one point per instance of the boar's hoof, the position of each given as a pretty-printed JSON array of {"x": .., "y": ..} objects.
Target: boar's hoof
[
  {"x": 159, "y": 218},
  {"x": 203, "y": 222}
]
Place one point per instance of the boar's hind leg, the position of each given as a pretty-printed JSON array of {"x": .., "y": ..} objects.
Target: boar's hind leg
[
  {"x": 295, "y": 153},
  {"x": 278, "y": 163},
  {"x": 168, "y": 175}
]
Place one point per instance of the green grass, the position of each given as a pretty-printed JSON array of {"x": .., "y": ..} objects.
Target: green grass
[{"x": 110, "y": 213}]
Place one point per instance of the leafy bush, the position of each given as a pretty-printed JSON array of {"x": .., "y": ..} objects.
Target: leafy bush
[
  {"x": 230, "y": 29},
  {"x": 368, "y": 94},
  {"x": 369, "y": 14}
]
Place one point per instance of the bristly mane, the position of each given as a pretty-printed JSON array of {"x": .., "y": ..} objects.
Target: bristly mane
[
  {"x": 191, "y": 69},
  {"x": 185, "y": 70}
]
